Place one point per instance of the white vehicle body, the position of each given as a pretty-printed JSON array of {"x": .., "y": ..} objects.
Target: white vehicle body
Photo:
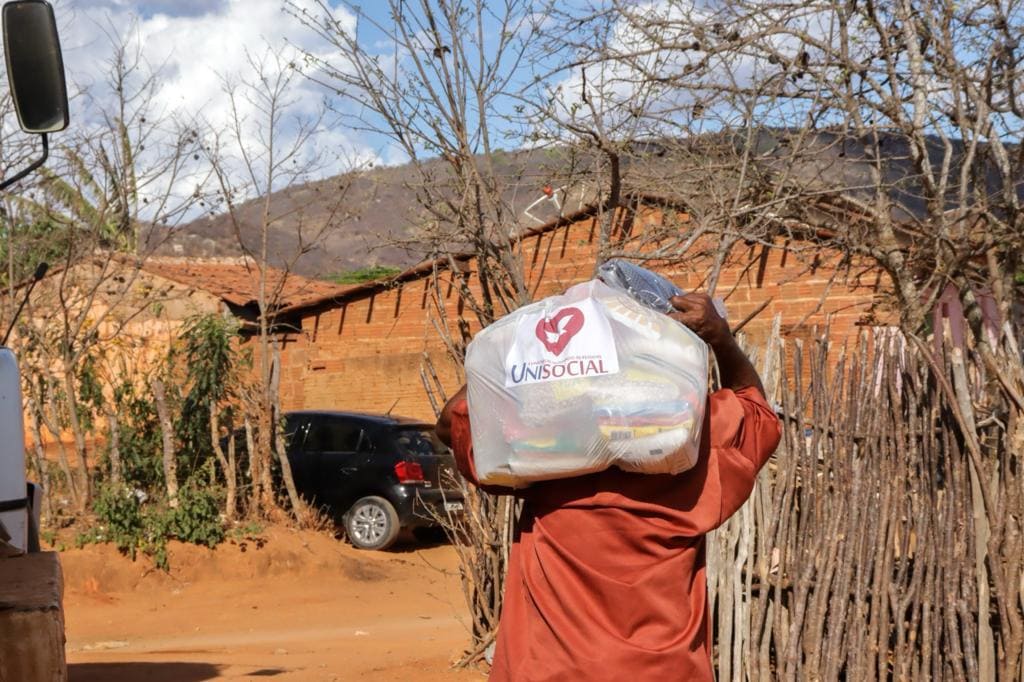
[{"x": 12, "y": 453}]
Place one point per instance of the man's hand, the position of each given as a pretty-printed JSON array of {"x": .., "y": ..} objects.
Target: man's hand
[{"x": 698, "y": 313}]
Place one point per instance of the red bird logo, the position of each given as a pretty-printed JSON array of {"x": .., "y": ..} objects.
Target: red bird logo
[{"x": 556, "y": 332}]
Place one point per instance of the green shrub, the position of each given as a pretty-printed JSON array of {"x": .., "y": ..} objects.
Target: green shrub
[
  {"x": 247, "y": 531},
  {"x": 140, "y": 440},
  {"x": 133, "y": 526},
  {"x": 124, "y": 522},
  {"x": 120, "y": 519},
  {"x": 212, "y": 365},
  {"x": 197, "y": 518},
  {"x": 367, "y": 274}
]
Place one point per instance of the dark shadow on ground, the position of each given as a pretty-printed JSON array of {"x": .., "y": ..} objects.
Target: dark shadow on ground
[
  {"x": 145, "y": 672},
  {"x": 409, "y": 542}
]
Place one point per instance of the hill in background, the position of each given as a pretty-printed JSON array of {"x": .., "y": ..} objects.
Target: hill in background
[{"x": 374, "y": 218}]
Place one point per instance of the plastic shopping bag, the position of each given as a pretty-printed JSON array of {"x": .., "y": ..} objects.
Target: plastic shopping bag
[{"x": 580, "y": 382}]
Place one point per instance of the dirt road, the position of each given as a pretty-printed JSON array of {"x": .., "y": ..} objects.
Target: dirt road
[{"x": 302, "y": 606}]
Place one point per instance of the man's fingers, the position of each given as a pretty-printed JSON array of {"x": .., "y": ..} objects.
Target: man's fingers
[
  {"x": 689, "y": 302},
  {"x": 690, "y": 319},
  {"x": 684, "y": 302}
]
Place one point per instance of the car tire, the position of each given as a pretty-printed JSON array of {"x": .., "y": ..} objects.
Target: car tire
[{"x": 372, "y": 523}]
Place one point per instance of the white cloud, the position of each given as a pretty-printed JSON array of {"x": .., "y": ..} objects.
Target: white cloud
[
  {"x": 659, "y": 69},
  {"x": 148, "y": 8},
  {"x": 194, "y": 46}
]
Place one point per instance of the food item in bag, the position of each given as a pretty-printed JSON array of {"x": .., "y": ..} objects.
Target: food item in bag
[
  {"x": 583, "y": 381},
  {"x": 644, "y": 286},
  {"x": 647, "y": 287}
]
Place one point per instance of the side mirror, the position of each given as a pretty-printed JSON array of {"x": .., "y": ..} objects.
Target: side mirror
[{"x": 35, "y": 69}]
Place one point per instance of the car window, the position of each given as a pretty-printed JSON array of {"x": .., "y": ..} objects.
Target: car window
[
  {"x": 295, "y": 429},
  {"x": 368, "y": 441},
  {"x": 333, "y": 435},
  {"x": 418, "y": 440}
]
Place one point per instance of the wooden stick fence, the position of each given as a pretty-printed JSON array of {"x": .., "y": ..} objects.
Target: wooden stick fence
[{"x": 877, "y": 544}]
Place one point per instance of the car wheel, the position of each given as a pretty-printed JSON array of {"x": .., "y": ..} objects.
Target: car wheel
[{"x": 372, "y": 523}]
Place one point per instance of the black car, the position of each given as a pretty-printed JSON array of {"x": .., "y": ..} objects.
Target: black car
[{"x": 374, "y": 474}]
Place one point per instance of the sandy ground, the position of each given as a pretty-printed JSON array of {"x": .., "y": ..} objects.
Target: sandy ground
[{"x": 303, "y": 606}]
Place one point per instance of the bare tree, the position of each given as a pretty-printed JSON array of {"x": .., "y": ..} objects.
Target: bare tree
[
  {"x": 431, "y": 82},
  {"x": 432, "y": 93},
  {"x": 887, "y": 132},
  {"x": 109, "y": 181},
  {"x": 269, "y": 151}
]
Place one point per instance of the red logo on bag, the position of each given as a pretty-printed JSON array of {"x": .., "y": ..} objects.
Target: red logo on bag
[{"x": 556, "y": 332}]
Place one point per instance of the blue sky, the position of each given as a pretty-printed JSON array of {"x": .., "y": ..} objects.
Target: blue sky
[{"x": 197, "y": 44}]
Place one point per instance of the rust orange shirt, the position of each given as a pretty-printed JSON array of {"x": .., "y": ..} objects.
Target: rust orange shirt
[{"x": 606, "y": 578}]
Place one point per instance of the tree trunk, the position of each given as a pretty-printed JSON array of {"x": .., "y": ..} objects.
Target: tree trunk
[
  {"x": 114, "y": 434},
  {"x": 298, "y": 506},
  {"x": 84, "y": 480},
  {"x": 266, "y": 438},
  {"x": 228, "y": 466},
  {"x": 255, "y": 480},
  {"x": 265, "y": 429},
  {"x": 982, "y": 532},
  {"x": 52, "y": 425},
  {"x": 40, "y": 455},
  {"x": 167, "y": 430},
  {"x": 264, "y": 426},
  {"x": 264, "y": 444},
  {"x": 233, "y": 468}
]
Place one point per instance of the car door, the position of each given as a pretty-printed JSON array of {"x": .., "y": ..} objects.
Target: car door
[
  {"x": 370, "y": 478},
  {"x": 333, "y": 442},
  {"x": 302, "y": 461}
]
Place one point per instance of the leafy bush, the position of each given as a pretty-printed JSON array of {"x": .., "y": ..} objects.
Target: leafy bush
[
  {"x": 197, "y": 518},
  {"x": 140, "y": 440},
  {"x": 211, "y": 364},
  {"x": 133, "y": 526},
  {"x": 244, "y": 534},
  {"x": 123, "y": 522}
]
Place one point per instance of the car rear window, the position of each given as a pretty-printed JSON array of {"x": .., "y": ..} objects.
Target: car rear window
[
  {"x": 421, "y": 441},
  {"x": 333, "y": 435}
]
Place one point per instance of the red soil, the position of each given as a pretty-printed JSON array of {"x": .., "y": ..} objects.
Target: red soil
[{"x": 303, "y": 606}]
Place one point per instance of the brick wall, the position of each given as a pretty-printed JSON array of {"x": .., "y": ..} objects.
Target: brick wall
[
  {"x": 142, "y": 317},
  {"x": 366, "y": 354}
]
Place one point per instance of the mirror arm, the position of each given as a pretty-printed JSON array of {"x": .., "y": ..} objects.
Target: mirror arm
[
  {"x": 35, "y": 164},
  {"x": 38, "y": 275}
]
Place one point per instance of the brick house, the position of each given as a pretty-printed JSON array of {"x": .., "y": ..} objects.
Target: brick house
[
  {"x": 234, "y": 283},
  {"x": 137, "y": 307},
  {"x": 363, "y": 348},
  {"x": 142, "y": 303}
]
